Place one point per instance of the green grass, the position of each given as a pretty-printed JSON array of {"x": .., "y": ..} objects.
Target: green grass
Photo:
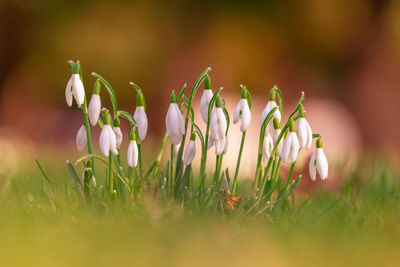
[{"x": 47, "y": 225}]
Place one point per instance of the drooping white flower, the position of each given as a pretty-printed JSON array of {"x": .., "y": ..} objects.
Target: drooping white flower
[
  {"x": 174, "y": 121},
  {"x": 81, "y": 138},
  {"x": 190, "y": 152},
  {"x": 140, "y": 116},
  {"x": 268, "y": 146},
  {"x": 291, "y": 146},
  {"x": 303, "y": 130},
  {"x": 275, "y": 134},
  {"x": 108, "y": 140},
  {"x": 75, "y": 89},
  {"x": 205, "y": 99},
  {"x": 318, "y": 163},
  {"x": 218, "y": 126},
  {"x": 132, "y": 154},
  {"x": 94, "y": 107},
  {"x": 242, "y": 112},
  {"x": 270, "y": 105}
]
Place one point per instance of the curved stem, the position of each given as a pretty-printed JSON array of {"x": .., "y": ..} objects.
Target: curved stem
[
  {"x": 238, "y": 163},
  {"x": 111, "y": 173},
  {"x": 88, "y": 134}
]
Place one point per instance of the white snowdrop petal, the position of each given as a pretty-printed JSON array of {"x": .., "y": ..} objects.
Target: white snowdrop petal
[
  {"x": 113, "y": 141},
  {"x": 312, "y": 168},
  {"x": 246, "y": 116},
  {"x": 77, "y": 89},
  {"x": 295, "y": 146},
  {"x": 68, "y": 93},
  {"x": 190, "y": 153},
  {"x": 118, "y": 134},
  {"x": 309, "y": 137},
  {"x": 286, "y": 148},
  {"x": 236, "y": 113},
  {"x": 132, "y": 155},
  {"x": 301, "y": 130},
  {"x": 142, "y": 122},
  {"x": 322, "y": 163},
  {"x": 204, "y": 103},
  {"x": 81, "y": 138},
  {"x": 104, "y": 140},
  {"x": 94, "y": 109},
  {"x": 226, "y": 145}
]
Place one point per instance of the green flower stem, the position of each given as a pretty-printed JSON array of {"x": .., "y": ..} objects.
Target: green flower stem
[
  {"x": 290, "y": 176},
  {"x": 111, "y": 173},
  {"x": 171, "y": 170},
  {"x": 139, "y": 145},
  {"x": 264, "y": 180},
  {"x": 204, "y": 160},
  {"x": 217, "y": 174},
  {"x": 238, "y": 163}
]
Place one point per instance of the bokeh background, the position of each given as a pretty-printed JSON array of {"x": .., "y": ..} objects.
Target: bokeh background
[{"x": 345, "y": 55}]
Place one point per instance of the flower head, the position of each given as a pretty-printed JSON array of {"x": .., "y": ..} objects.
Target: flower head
[
  {"x": 75, "y": 87},
  {"x": 132, "y": 154},
  {"x": 108, "y": 140},
  {"x": 242, "y": 112},
  {"x": 218, "y": 126},
  {"x": 174, "y": 121},
  {"x": 205, "y": 99},
  {"x": 303, "y": 130},
  {"x": 291, "y": 146},
  {"x": 94, "y": 107},
  {"x": 318, "y": 163},
  {"x": 140, "y": 116},
  {"x": 190, "y": 150},
  {"x": 81, "y": 138},
  {"x": 270, "y": 105}
]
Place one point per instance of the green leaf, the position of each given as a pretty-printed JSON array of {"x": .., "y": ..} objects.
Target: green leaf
[
  {"x": 110, "y": 91},
  {"x": 181, "y": 92},
  {"x": 76, "y": 182}
]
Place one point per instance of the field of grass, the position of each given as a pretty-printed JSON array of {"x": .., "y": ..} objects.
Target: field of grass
[{"x": 45, "y": 224}]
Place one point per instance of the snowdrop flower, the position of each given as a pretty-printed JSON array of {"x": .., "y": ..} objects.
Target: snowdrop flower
[
  {"x": 174, "y": 121},
  {"x": 140, "y": 116},
  {"x": 242, "y": 112},
  {"x": 75, "y": 87},
  {"x": 218, "y": 126},
  {"x": 205, "y": 99},
  {"x": 132, "y": 155},
  {"x": 108, "y": 140},
  {"x": 81, "y": 138},
  {"x": 117, "y": 131},
  {"x": 291, "y": 146},
  {"x": 95, "y": 104},
  {"x": 303, "y": 129},
  {"x": 268, "y": 146},
  {"x": 318, "y": 163},
  {"x": 276, "y": 132},
  {"x": 190, "y": 151},
  {"x": 270, "y": 105}
]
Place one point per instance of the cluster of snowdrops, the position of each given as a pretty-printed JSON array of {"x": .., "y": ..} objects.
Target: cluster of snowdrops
[{"x": 278, "y": 143}]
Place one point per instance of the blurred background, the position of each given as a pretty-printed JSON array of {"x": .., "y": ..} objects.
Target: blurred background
[{"x": 345, "y": 56}]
